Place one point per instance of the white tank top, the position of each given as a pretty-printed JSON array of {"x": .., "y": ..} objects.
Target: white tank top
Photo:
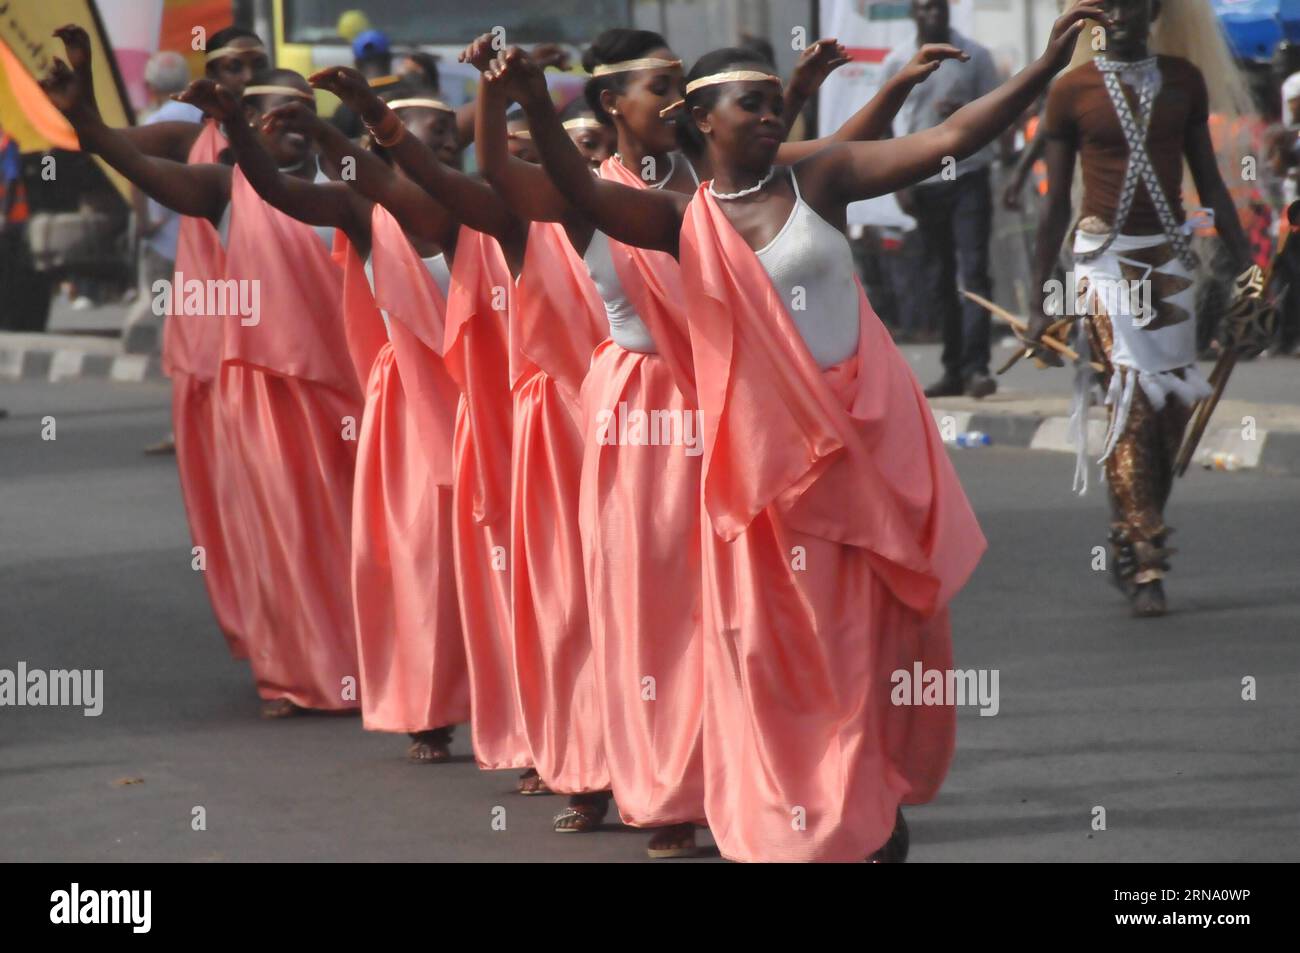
[
  {"x": 810, "y": 253},
  {"x": 223, "y": 227},
  {"x": 437, "y": 268},
  {"x": 626, "y": 329},
  {"x": 324, "y": 232}
]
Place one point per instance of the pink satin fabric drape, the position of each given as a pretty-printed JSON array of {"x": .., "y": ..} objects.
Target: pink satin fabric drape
[
  {"x": 291, "y": 406},
  {"x": 409, "y": 643},
  {"x": 477, "y": 355},
  {"x": 559, "y": 320},
  {"x": 839, "y": 534},
  {"x": 640, "y": 524}
]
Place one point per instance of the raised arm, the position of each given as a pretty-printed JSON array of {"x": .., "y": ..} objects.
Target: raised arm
[
  {"x": 525, "y": 187},
  {"x": 330, "y": 204},
  {"x": 166, "y": 140},
  {"x": 198, "y": 190},
  {"x": 647, "y": 218},
  {"x": 860, "y": 170},
  {"x": 874, "y": 119},
  {"x": 815, "y": 64},
  {"x": 471, "y": 201},
  {"x": 373, "y": 179}
]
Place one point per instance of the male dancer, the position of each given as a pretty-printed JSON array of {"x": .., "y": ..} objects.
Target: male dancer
[{"x": 1132, "y": 117}]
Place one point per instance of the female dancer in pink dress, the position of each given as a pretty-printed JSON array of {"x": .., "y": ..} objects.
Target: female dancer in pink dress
[
  {"x": 191, "y": 352},
  {"x": 640, "y": 498},
  {"x": 286, "y": 396},
  {"x": 838, "y": 532},
  {"x": 411, "y": 653},
  {"x": 487, "y": 248}
]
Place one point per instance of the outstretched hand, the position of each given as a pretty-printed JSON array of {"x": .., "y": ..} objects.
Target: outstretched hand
[
  {"x": 480, "y": 52},
  {"x": 816, "y": 63},
  {"x": 61, "y": 86},
  {"x": 348, "y": 85},
  {"x": 215, "y": 100},
  {"x": 1066, "y": 30},
  {"x": 929, "y": 58},
  {"x": 517, "y": 76},
  {"x": 549, "y": 54},
  {"x": 76, "y": 47}
]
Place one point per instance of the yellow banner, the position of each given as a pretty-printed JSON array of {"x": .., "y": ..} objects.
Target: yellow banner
[{"x": 26, "y": 31}]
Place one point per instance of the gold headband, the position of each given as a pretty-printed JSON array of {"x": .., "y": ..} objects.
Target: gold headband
[
  {"x": 425, "y": 103},
  {"x": 581, "y": 123},
  {"x": 378, "y": 81},
  {"x": 650, "y": 62},
  {"x": 234, "y": 51},
  {"x": 521, "y": 134},
  {"x": 276, "y": 91},
  {"x": 713, "y": 79},
  {"x": 731, "y": 76}
]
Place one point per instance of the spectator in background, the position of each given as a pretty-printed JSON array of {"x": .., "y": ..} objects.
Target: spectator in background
[
  {"x": 373, "y": 58},
  {"x": 954, "y": 209},
  {"x": 24, "y": 291},
  {"x": 1284, "y": 156},
  {"x": 420, "y": 71},
  {"x": 156, "y": 226}
]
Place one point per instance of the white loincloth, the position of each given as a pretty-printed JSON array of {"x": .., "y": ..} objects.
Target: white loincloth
[{"x": 1141, "y": 357}]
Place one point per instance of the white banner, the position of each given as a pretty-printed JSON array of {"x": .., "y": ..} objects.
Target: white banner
[
  {"x": 870, "y": 29},
  {"x": 132, "y": 27}
]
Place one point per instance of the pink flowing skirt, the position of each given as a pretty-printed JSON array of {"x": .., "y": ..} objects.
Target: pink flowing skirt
[
  {"x": 640, "y": 521},
  {"x": 291, "y": 468},
  {"x": 553, "y": 665},
  {"x": 196, "y": 423},
  {"x": 483, "y": 587},
  {"x": 808, "y": 759},
  {"x": 409, "y": 643}
]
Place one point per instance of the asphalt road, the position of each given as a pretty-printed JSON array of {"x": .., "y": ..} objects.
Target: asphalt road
[{"x": 1143, "y": 718}]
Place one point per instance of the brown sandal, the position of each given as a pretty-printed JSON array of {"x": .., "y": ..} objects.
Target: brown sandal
[
  {"x": 280, "y": 708},
  {"x": 430, "y": 747},
  {"x": 531, "y": 784},
  {"x": 675, "y": 841},
  {"x": 583, "y": 814}
]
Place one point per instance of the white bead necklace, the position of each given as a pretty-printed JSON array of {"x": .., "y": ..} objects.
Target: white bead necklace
[
  {"x": 743, "y": 192},
  {"x": 672, "y": 167}
]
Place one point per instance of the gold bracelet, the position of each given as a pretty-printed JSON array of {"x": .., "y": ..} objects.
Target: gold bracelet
[{"x": 388, "y": 131}]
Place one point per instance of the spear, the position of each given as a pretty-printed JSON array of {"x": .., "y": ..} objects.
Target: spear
[
  {"x": 1204, "y": 409},
  {"x": 1020, "y": 328}
]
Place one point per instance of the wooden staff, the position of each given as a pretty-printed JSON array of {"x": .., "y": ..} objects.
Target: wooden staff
[
  {"x": 1204, "y": 409},
  {"x": 1020, "y": 327}
]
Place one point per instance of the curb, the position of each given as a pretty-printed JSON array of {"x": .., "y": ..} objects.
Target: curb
[
  {"x": 65, "y": 357},
  {"x": 1224, "y": 448}
]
